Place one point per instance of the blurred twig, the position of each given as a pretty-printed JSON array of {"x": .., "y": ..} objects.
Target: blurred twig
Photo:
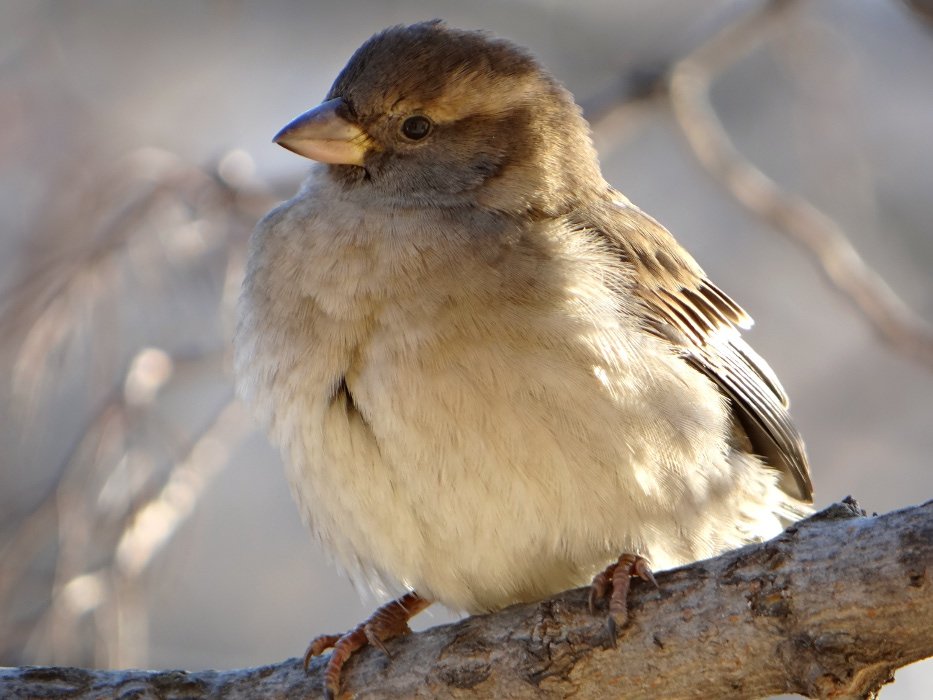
[
  {"x": 690, "y": 81},
  {"x": 923, "y": 9},
  {"x": 121, "y": 296}
]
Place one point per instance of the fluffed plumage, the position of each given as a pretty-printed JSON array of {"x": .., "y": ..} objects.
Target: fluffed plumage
[{"x": 488, "y": 372}]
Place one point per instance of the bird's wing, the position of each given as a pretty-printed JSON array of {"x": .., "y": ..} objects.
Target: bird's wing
[{"x": 702, "y": 323}]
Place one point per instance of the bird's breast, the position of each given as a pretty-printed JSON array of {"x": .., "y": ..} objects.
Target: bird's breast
[{"x": 437, "y": 403}]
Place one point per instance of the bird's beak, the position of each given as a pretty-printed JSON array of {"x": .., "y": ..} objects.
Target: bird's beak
[{"x": 323, "y": 135}]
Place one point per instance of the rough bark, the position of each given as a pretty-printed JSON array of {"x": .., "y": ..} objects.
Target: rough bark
[{"x": 829, "y": 608}]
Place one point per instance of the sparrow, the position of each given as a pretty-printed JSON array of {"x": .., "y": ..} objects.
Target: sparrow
[{"x": 490, "y": 375}]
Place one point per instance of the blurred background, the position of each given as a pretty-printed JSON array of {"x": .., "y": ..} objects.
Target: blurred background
[{"x": 143, "y": 521}]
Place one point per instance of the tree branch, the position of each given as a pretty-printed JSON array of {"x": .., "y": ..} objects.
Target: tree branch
[
  {"x": 829, "y": 608},
  {"x": 690, "y": 80}
]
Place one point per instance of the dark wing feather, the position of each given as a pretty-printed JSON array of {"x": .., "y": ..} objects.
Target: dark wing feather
[{"x": 702, "y": 322}]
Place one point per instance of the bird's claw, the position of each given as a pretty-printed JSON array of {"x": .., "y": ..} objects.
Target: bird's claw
[
  {"x": 614, "y": 581},
  {"x": 390, "y": 620}
]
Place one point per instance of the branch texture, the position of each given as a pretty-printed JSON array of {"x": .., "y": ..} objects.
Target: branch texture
[{"x": 829, "y": 608}]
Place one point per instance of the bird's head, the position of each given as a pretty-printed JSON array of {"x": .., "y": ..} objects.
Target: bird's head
[{"x": 430, "y": 115}]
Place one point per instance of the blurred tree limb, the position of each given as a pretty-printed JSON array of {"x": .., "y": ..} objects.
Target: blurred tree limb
[
  {"x": 125, "y": 249},
  {"x": 689, "y": 85},
  {"x": 829, "y": 608},
  {"x": 686, "y": 85}
]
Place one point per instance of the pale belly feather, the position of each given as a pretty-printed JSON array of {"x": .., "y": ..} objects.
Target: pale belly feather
[{"x": 480, "y": 444}]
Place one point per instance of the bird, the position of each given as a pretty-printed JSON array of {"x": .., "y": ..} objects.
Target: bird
[{"x": 491, "y": 376}]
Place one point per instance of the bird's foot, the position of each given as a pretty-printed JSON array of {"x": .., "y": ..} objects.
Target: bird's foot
[
  {"x": 390, "y": 620},
  {"x": 614, "y": 582}
]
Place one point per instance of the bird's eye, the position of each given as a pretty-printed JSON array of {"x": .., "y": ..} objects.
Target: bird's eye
[{"x": 416, "y": 127}]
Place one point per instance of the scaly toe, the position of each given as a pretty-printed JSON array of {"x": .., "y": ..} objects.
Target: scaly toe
[
  {"x": 600, "y": 587},
  {"x": 390, "y": 620},
  {"x": 319, "y": 645},
  {"x": 614, "y": 582}
]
